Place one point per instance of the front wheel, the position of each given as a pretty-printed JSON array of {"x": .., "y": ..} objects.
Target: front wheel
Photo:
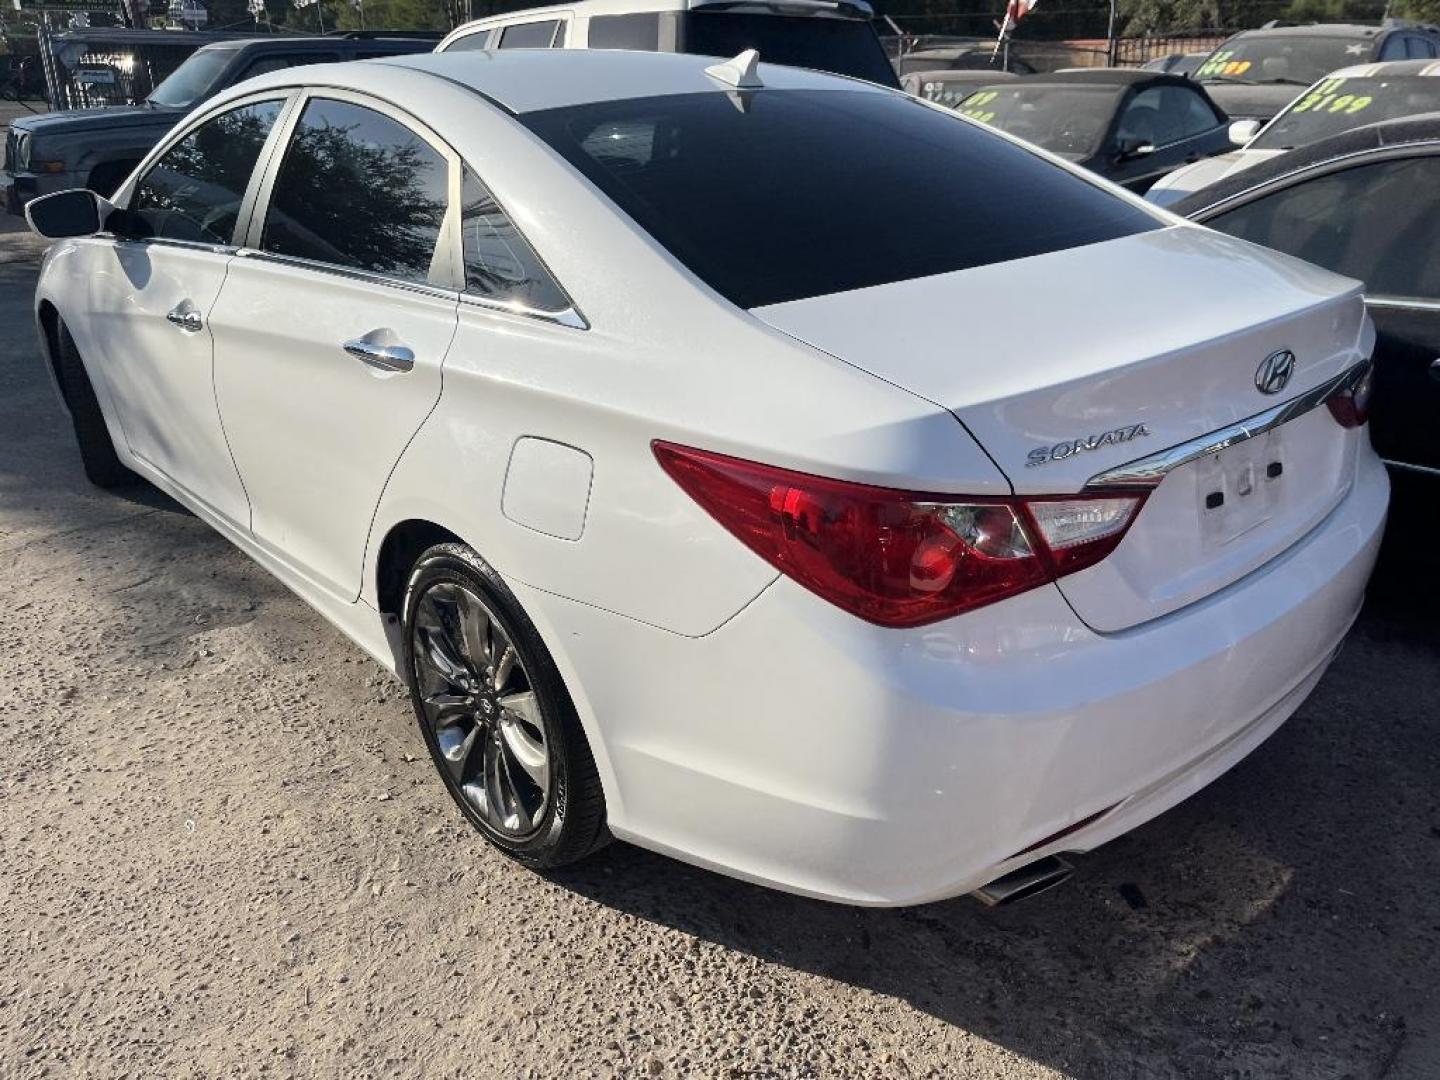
[{"x": 495, "y": 714}]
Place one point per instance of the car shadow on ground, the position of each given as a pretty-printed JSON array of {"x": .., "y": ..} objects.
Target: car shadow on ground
[{"x": 1276, "y": 924}]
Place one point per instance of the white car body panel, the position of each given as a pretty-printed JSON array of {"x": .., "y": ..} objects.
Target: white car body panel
[
  {"x": 914, "y": 764},
  {"x": 159, "y": 376}
]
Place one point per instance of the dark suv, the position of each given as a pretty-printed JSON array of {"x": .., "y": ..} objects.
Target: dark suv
[
  {"x": 1256, "y": 73},
  {"x": 98, "y": 148}
]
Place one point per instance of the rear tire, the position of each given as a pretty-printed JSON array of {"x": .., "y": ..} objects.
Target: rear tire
[
  {"x": 495, "y": 714},
  {"x": 102, "y": 464}
]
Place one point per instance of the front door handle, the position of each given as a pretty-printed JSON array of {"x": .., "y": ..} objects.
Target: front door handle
[
  {"x": 186, "y": 318},
  {"x": 384, "y": 357}
]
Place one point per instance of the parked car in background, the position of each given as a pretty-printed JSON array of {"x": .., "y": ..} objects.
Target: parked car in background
[
  {"x": 709, "y": 537},
  {"x": 949, "y": 88},
  {"x": 97, "y": 148},
  {"x": 1176, "y": 63},
  {"x": 979, "y": 55},
  {"x": 98, "y": 66},
  {"x": 1129, "y": 126},
  {"x": 1364, "y": 203},
  {"x": 1348, "y": 98},
  {"x": 1256, "y": 73},
  {"x": 829, "y": 36}
]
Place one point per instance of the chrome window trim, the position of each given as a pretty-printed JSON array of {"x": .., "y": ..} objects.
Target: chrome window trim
[
  {"x": 569, "y": 316},
  {"x": 1402, "y": 303},
  {"x": 1150, "y": 470},
  {"x": 441, "y": 292}
]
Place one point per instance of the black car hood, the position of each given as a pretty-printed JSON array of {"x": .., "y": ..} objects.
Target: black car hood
[
  {"x": 74, "y": 121},
  {"x": 1246, "y": 101}
]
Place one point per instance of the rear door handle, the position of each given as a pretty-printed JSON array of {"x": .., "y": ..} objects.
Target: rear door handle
[
  {"x": 185, "y": 317},
  {"x": 384, "y": 357}
]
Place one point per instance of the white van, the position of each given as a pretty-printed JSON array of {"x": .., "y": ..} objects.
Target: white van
[{"x": 826, "y": 35}]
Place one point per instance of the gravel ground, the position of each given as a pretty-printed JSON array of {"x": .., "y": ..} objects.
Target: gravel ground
[{"x": 222, "y": 853}]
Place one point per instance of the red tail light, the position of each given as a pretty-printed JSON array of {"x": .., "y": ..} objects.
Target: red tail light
[
  {"x": 897, "y": 558},
  {"x": 1351, "y": 405}
]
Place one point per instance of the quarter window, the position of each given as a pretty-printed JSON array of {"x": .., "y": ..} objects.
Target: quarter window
[
  {"x": 530, "y": 35},
  {"x": 499, "y": 264},
  {"x": 194, "y": 191},
  {"x": 1373, "y": 222},
  {"x": 360, "y": 190}
]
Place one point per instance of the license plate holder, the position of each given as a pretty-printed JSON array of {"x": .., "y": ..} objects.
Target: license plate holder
[{"x": 1239, "y": 488}]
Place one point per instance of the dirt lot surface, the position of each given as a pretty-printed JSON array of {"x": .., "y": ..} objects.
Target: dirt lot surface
[{"x": 222, "y": 853}]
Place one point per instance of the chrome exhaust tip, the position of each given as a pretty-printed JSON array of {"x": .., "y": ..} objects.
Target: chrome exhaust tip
[{"x": 1030, "y": 880}]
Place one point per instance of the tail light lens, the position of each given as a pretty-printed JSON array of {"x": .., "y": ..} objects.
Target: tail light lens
[
  {"x": 897, "y": 558},
  {"x": 1351, "y": 406}
]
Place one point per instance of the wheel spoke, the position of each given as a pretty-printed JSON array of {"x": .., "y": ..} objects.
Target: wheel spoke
[
  {"x": 473, "y": 624},
  {"x": 445, "y": 707},
  {"x": 456, "y": 743},
  {"x": 504, "y": 667},
  {"x": 525, "y": 707},
  {"x": 526, "y": 751}
]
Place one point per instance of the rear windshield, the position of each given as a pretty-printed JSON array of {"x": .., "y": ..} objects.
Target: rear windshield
[
  {"x": 780, "y": 195},
  {"x": 840, "y": 46},
  {"x": 1336, "y": 105}
]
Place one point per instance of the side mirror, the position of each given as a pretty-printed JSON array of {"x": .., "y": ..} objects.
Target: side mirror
[
  {"x": 1127, "y": 149},
  {"x": 77, "y": 212},
  {"x": 1242, "y": 131}
]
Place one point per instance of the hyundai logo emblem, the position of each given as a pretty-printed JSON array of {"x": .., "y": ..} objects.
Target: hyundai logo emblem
[{"x": 1274, "y": 372}]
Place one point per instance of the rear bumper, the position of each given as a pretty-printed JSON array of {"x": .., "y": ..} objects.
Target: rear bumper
[{"x": 801, "y": 748}]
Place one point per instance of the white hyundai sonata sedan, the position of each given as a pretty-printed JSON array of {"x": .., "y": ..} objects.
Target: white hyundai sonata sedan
[{"x": 760, "y": 466}]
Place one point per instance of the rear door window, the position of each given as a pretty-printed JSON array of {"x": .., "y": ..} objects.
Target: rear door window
[
  {"x": 805, "y": 193},
  {"x": 530, "y": 35},
  {"x": 358, "y": 189},
  {"x": 193, "y": 192}
]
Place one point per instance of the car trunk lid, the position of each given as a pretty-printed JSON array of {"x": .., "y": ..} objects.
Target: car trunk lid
[{"x": 1066, "y": 365}]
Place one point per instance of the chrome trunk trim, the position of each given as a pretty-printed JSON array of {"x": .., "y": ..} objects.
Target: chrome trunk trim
[{"x": 1148, "y": 471}]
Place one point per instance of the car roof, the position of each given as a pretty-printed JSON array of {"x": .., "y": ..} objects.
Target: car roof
[
  {"x": 310, "y": 41},
  {"x": 529, "y": 80},
  {"x": 1387, "y": 67},
  {"x": 967, "y": 75},
  {"x": 591, "y": 8},
  {"x": 1111, "y": 77},
  {"x": 1386, "y": 134},
  {"x": 1321, "y": 30}
]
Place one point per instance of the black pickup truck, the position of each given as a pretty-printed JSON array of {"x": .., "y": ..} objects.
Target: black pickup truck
[{"x": 98, "y": 148}]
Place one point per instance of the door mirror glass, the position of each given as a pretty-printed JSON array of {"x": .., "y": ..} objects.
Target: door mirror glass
[
  {"x": 1242, "y": 131},
  {"x": 67, "y": 213}
]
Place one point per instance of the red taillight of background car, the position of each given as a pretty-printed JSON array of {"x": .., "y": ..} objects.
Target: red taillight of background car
[
  {"x": 1351, "y": 405},
  {"x": 897, "y": 558}
]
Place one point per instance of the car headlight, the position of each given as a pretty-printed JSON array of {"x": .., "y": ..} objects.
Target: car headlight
[{"x": 22, "y": 152}]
